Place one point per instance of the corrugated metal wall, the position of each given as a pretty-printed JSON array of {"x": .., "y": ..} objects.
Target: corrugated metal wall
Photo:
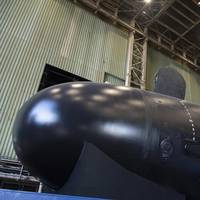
[
  {"x": 109, "y": 78},
  {"x": 56, "y": 32},
  {"x": 156, "y": 60}
]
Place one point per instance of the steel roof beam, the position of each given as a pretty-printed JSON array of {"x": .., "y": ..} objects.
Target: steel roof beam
[
  {"x": 131, "y": 28},
  {"x": 188, "y": 8},
  {"x": 166, "y": 39},
  {"x": 164, "y": 8},
  {"x": 129, "y": 3},
  {"x": 175, "y": 32},
  {"x": 177, "y": 20},
  {"x": 161, "y": 34},
  {"x": 174, "y": 53},
  {"x": 111, "y": 16},
  {"x": 140, "y": 11},
  {"x": 182, "y": 14},
  {"x": 187, "y": 31}
]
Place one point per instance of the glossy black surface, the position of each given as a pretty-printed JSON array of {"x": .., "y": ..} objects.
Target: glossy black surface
[{"x": 153, "y": 135}]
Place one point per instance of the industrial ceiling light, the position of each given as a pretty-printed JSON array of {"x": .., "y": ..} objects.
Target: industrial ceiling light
[
  {"x": 147, "y": 1},
  {"x": 144, "y": 12},
  {"x": 197, "y": 2}
]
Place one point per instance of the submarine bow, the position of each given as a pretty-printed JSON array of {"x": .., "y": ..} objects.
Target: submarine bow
[{"x": 153, "y": 135}]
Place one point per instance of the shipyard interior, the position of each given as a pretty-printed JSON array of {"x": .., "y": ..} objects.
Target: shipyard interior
[{"x": 100, "y": 99}]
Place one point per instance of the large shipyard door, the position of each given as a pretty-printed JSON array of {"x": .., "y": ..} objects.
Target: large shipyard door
[{"x": 53, "y": 75}]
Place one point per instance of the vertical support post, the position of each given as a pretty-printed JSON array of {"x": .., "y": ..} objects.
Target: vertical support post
[
  {"x": 144, "y": 62},
  {"x": 129, "y": 57},
  {"x": 195, "y": 61},
  {"x": 21, "y": 170},
  {"x": 40, "y": 188}
]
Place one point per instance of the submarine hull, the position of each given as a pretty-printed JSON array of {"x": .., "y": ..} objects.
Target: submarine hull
[{"x": 153, "y": 135}]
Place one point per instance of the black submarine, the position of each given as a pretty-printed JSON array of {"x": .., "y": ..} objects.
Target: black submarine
[{"x": 153, "y": 135}]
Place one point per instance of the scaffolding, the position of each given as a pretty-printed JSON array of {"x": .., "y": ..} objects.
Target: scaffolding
[
  {"x": 136, "y": 61},
  {"x": 13, "y": 175}
]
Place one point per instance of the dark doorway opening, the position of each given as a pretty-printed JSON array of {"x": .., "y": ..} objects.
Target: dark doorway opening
[{"x": 53, "y": 75}]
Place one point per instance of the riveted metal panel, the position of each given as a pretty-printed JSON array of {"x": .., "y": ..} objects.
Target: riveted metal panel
[
  {"x": 156, "y": 60},
  {"x": 59, "y": 33}
]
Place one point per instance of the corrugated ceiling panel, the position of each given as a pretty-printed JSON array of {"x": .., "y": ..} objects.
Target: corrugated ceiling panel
[{"x": 55, "y": 32}]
